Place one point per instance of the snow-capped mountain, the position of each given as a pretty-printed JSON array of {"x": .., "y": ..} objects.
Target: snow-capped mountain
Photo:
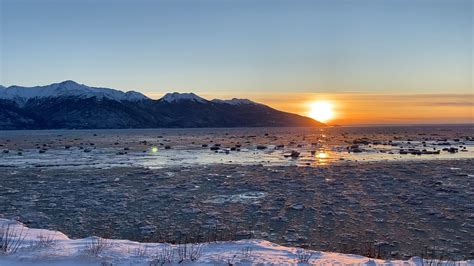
[
  {"x": 235, "y": 101},
  {"x": 72, "y": 105},
  {"x": 66, "y": 88},
  {"x": 176, "y": 97}
]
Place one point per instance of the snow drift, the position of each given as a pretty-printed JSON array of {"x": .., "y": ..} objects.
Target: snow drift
[{"x": 46, "y": 247}]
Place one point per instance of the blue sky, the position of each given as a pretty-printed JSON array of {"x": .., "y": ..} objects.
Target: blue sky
[{"x": 240, "y": 46}]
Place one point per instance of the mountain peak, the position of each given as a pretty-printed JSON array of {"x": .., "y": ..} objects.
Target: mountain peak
[
  {"x": 67, "y": 88},
  {"x": 37, "y": 108},
  {"x": 176, "y": 97},
  {"x": 235, "y": 101},
  {"x": 69, "y": 82}
]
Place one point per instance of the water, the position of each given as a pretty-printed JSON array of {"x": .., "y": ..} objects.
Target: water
[
  {"x": 146, "y": 147},
  {"x": 425, "y": 200}
]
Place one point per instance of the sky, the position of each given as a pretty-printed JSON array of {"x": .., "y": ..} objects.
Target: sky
[{"x": 376, "y": 61}]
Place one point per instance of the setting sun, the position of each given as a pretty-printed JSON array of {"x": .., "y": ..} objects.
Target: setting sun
[{"x": 321, "y": 111}]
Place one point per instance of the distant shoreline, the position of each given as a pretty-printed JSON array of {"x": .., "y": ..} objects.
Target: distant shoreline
[{"x": 262, "y": 127}]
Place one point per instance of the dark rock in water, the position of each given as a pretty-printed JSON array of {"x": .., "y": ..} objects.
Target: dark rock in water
[
  {"x": 244, "y": 234},
  {"x": 295, "y": 154},
  {"x": 444, "y": 143},
  {"x": 430, "y": 152},
  {"x": 261, "y": 147},
  {"x": 167, "y": 147},
  {"x": 363, "y": 141},
  {"x": 451, "y": 149},
  {"x": 6, "y": 151},
  {"x": 354, "y": 148}
]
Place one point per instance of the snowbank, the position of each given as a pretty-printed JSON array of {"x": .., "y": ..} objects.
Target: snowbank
[{"x": 46, "y": 247}]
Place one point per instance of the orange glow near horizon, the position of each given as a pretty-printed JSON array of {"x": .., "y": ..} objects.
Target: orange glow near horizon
[
  {"x": 372, "y": 108},
  {"x": 355, "y": 108}
]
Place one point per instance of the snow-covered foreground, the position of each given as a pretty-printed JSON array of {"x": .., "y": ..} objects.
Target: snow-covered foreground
[{"x": 25, "y": 246}]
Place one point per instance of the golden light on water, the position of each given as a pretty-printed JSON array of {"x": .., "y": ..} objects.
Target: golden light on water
[
  {"x": 321, "y": 111},
  {"x": 154, "y": 149},
  {"x": 322, "y": 155}
]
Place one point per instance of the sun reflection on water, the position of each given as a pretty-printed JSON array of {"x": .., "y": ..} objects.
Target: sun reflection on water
[{"x": 322, "y": 155}]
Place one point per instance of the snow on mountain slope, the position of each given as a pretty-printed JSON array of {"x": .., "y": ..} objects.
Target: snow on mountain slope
[
  {"x": 176, "y": 97},
  {"x": 46, "y": 247},
  {"x": 66, "y": 89},
  {"x": 235, "y": 101},
  {"x": 70, "y": 88}
]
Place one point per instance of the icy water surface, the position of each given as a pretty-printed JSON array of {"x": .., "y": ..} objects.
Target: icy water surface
[
  {"x": 415, "y": 189},
  {"x": 156, "y": 148}
]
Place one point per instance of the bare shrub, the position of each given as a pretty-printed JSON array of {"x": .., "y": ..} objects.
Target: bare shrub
[
  {"x": 231, "y": 261},
  {"x": 247, "y": 252},
  {"x": 140, "y": 251},
  {"x": 10, "y": 239},
  {"x": 97, "y": 246},
  {"x": 165, "y": 256},
  {"x": 433, "y": 256},
  {"x": 44, "y": 242},
  {"x": 371, "y": 249},
  {"x": 303, "y": 255},
  {"x": 189, "y": 252}
]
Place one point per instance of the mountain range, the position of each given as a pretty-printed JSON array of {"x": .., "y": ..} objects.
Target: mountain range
[{"x": 69, "y": 105}]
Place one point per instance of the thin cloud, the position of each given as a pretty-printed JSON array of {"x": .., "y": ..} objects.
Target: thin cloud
[{"x": 452, "y": 104}]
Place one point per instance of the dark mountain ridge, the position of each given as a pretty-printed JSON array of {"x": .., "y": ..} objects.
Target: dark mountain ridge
[{"x": 69, "y": 105}]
